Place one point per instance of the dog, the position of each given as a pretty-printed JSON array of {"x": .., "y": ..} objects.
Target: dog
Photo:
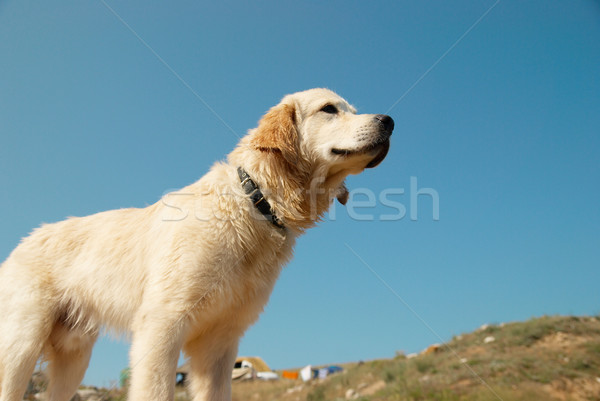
[{"x": 192, "y": 271}]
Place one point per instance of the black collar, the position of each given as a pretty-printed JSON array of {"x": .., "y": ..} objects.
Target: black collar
[{"x": 257, "y": 197}]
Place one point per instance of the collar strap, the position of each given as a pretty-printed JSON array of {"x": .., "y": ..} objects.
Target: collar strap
[{"x": 257, "y": 198}]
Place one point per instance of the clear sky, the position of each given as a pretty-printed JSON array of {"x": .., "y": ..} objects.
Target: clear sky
[{"x": 110, "y": 104}]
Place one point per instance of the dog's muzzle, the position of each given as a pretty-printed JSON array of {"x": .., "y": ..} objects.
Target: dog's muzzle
[{"x": 383, "y": 143}]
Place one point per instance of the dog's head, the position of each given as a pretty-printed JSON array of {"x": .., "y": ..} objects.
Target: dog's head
[
  {"x": 334, "y": 135},
  {"x": 316, "y": 136}
]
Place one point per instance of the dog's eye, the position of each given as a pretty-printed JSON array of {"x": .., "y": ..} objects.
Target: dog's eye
[{"x": 329, "y": 109}]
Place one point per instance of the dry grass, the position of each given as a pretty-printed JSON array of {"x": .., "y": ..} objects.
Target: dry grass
[
  {"x": 549, "y": 358},
  {"x": 543, "y": 359}
]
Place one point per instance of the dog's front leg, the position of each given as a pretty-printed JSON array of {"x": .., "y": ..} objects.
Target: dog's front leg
[
  {"x": 211, "y": 362},
  {"x": 154, "y": 354}
]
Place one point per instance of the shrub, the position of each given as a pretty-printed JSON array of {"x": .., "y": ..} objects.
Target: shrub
[{"x": 318, "y": 394}]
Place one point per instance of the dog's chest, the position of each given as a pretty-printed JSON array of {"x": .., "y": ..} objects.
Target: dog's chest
[{"x": 245, "y": 273}]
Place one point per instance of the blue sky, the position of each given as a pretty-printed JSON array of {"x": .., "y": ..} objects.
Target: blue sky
[{"x": 110, "y": 104}]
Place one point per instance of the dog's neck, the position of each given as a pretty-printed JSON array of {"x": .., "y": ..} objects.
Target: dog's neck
[{"x": 299, "y": 199}]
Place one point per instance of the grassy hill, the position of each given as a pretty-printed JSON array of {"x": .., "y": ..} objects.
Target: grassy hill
[
  {"x": 543, "y": 359},
  {"x": 546, "y": 359}
]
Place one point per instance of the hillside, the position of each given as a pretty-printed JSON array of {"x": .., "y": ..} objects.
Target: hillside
[
  {"x": 548, "y": 358},
  {"x": 543, "y": 359}
]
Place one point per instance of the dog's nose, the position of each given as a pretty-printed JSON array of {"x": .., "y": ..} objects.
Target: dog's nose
[{"x": 387, "y": 122}]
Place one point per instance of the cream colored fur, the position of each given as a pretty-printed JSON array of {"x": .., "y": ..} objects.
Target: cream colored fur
[{"x": 192, "y": 271}]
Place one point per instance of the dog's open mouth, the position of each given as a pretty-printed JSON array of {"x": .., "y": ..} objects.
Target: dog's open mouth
[{"x": 379, "y": 150}]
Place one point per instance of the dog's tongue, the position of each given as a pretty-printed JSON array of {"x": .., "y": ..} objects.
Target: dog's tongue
[{"x": 380, "y": 156}]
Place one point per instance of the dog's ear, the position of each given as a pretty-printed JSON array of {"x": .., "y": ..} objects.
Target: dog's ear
[
  {"x": 342, "y": 194},
  {"x": 277, "y": 132}
]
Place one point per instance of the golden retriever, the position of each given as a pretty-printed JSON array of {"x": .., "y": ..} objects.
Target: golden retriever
[{"x": 192, "y": 271}]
